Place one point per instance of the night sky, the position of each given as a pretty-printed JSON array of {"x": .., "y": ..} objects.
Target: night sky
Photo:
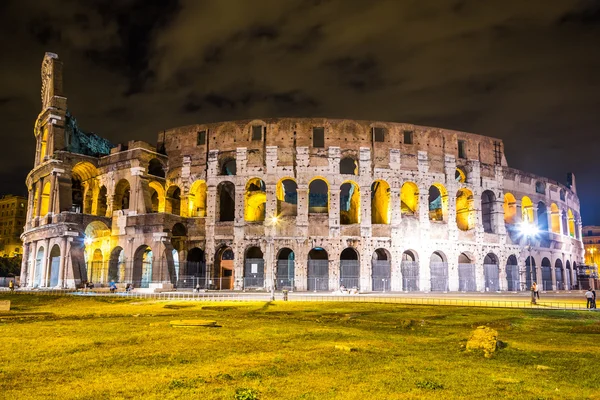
[{"x": 527, "y": 72}]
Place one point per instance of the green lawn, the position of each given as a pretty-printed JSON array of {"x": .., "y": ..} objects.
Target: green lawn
[{"x": 73, "y": 347}]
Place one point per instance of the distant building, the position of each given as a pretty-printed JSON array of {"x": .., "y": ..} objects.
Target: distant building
[
  {"x": 13, "y": 213},
  {"x": 591, "y": 243}
]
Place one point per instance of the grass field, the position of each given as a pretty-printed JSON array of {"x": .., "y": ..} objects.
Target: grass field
[{"x": 70, "y": 347}]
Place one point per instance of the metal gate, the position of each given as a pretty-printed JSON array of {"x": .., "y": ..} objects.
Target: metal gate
[
  {"x": 254, "y": 273},
  {"x": 54, "y": 266},
  {"x": 285, "y": 274},
  {"x": 512, "y": 278},
  {"x": 528, "y": 282},
  {"x": 439, "y": 276},
  {"x": 546, "y": 277},
  {"x": 350, "y": 274},
  {"x": 559, "y": 279},
  {"x": 381, "y": 275},
  {"x": 410, "y": 276},
  {"x": 492, "y": 277},
  {"x": 318, "y": 275},
  {"x": 568, "y": 279},
  {"x": 466, "y": 278}
]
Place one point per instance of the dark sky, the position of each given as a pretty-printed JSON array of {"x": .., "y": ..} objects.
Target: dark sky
[{"x": 527, "y": 72}]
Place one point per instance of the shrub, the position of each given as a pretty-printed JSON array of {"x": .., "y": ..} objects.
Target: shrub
[{"x": 245, "y": 394}]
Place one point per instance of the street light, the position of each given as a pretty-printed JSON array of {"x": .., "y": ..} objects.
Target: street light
[{"x": 529, "y": 230}]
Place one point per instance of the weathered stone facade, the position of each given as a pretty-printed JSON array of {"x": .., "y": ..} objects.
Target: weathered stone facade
[{"x": 305, "y": 203}]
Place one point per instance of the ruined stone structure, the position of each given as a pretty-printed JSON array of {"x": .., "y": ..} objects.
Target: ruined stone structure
[{"x": 308, "y": 204}]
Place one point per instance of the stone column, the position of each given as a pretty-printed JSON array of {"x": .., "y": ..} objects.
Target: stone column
[
  {"x": 270, "y": 265},
  {"x": 334, "y": 211},
  {"x": 553, "y": 272},
  {"x": 61, "y": 266},
  {"x": 453, "y": 278},
  {"x": 25, "y": 267},
  {"x": 302, "y": 210},
  {"x": 334, "y": 274},
  {"x": 502, "y": 282},
  {"x": 396, "y": 207},
  {"x": 365, "y": 211},
  {"x": 45, "y": 264}
]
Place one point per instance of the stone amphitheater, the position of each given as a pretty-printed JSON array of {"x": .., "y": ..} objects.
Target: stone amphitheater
[{"x": 306, "y": 204}]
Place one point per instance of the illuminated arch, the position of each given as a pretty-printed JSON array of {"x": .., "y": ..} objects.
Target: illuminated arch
[
  {"x": 173, "y": 200},
  {"x": 349, "y": 203},
  {"x": 157, "y": 196},
  {"x": 197, "y": 199},
  {"x": 255, "y": 200},
  {"x": 555, "y": 218},
  {"x": 318, "y": 195},
  {"x": 510, "y": 208},
  {"x": 286, "y": 192},
  {"x": 142, "y": 266},
  {"x": 571, "y": 222},
  {"x": 380, "y": 202},
  {"x": 122, "y": 195},
  {"x": 156, "y": 168},
  {"x": 438, "y": 202},
  {"x": 460, "y": 175},
  {"x": 45, "y": 205},
  {"x": 102, "y": 201},
  {"x": 542, "y": 216},
  {"x": 527, "y": 210},
  {"x": 465, "y": 210},
  {"x": 409, "y": 198}
]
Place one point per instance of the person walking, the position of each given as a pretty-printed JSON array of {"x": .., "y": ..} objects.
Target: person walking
[
  {"x": 593, "y": 298},
  {"x": 11, "y": 285},
  {"x": 536, "y": 292},
  {"x": 590, "y": 299}
]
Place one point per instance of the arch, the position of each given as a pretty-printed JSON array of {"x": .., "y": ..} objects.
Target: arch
[
  {"x": 255, "y": 200},
  {"x": 156, "y": 168},
  {"x": 82, "y": 182},
  {"x": 101, "y": 202},
  {"x": 542, "y": 217},
  {"x": 179, "y": 236},
  {"x": 178, "y": 230},
  {"x": 39, "y": 265},
  {"x": 465, "y": 210},
  {"x": 228, "y": 166},
  {"x": 438, "y": 267},
  {"x": 381, "y": 270},
  {"x": 558, "y": 272},
  {"x": 318, "y": 196},
  {"x": 546, "y": 267},
  {"x": 122, "y": 195},
  {"x": 540, "y": 187},
  {"x": 287, "y": 197},
  {"x": 527, "y": 210},
  {"x": 43, "y": 144},
  {"x": 488, "y": 199},
  {"x": 194, "y": 271},
  {"x": 348, "y": 166},
  {"x": 45, "y": 206},
  {"x": 438, "y": 202},
  {"x": 571, "y": 222},
  {"x": 157, "y": 197},
  {"x": 491, "y": 273},
  {"x": 286, "y": 268},
  {"x": 142, "y": 266},
  {"x": 224, "y": 268},
  {"x": 565, "y": 223},
  {"x": 254, "y": 268},
  {"x": 349, "y": 203},
  {"x": 409, "y": 268},
  {"x": 88, "y": 203},
  {"x": 409, "y": 198},
  {"x": 96, "y": 267},
  {"x": 381, "y": 212},
  {"x": 568, "y": 275},
  {"x": 54, "y": 265},
  {"x": 555, "y": 218},
  {"x": 84, "y": 171},
  {"x": 460, "y": 175},
  {"x": 96, "y": 229},
  {"x": 466, "y": 273},
  {"x": 116, "y": 265},
  {"x": 510, "y": 208},
  {"x": 530, "y": 272},
  {"x": 318, "y": 270},
  {"x": 197, "y": 199},
  {"x": 513, "y": 281},
  {"x": 173, "y": 200},
  {"x": 226, "y": 206},
  {"x": 349, "y": 268}
]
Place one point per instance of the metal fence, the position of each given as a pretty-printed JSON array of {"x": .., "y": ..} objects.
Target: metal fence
[
  {"x": 381, "y": 275},
  {"x": 513, "y": 281},
  {"x": 318, "y": 275},
  {"x": 410, "y": 276},
  {"x": 350, "y": 273},
  {"x": 492, "y": 277},
  {"x": 546, "y": 278},
  {"x": 466, "y": 278},
  {"x": 439, "y": 276},
  {"x": 254, "y": 273},
  {"x": 285, "y": 274}
]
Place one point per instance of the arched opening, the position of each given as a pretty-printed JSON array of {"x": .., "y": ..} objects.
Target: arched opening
[
  {"x": 546, "y": 274},
  {"x": 318, "y": 196},
  {"x": 349, "y": 203},
  {"x": 228, "y": 167},
  {"x": 82, "y": 181},
  {"x": 287, "y": 197},
  {"x": 527, "y": 210},
  {"x": 142, "y": 267},
  {"x": 571, "y": 223},
  {"x": 510, "y": 208},
  {"x": 173, "y": 201},
  {"x": 409, "y": 268},
  {"x": 175, "y": 277},
  {"x": 381, "y": 268},
  {"x": 466, "y": 273},
  {"x": 54, "y": 265},
  {"x": 438, "y": 267},
  {"x": 513, "y": 281},
  {"x": 465, "y": 210},
  {"x": 96, "y": 238},
  {"x": 39, "y": 265},
  {"x": 224, "y": 268},
  {"x": 349, "y": 269},
  {"x": 226, "y": 206},
  {"x": 101, "y": 202},
  {"x": 96, "y": 268},
  {"x": 438, "y": 202},
  {"x": 116, "y": 265},
  {"x": 194, "y": 273},
  {"x": 491, "y": 272},
  {"x": 43, "y": 144},
  {"x": 179, "y": 236},
  {"x": 318, "y": 270},
  {"x": 285, "y": 269},
  {"x": 555, "y": 217},
  {"x": 460, "y": 176},
  {"x": 45, "y": 206},
  {"x": 569, "y": 275},
  {"x": 381, "y": 211},
  {"x": 255, "y": 200},
  {"x": 156, "y": 168},
  {"x": 558, "y": 272},
  {"x": 89, "y": 197},
  {"x": 254, "y": 269},
  {"x": 565, "y": 224},
  {"x": 197, "y": 199},
  {"x": 157, "y": 197},
  {"x": 542, "y": 217},
  {"x": 409, "y": 199},
  {"x": 487, "y": 211},
  {"x": 530, "y": 272},
  {"x": 348, "y": 166},
  {"x": 122, "y": 195}
]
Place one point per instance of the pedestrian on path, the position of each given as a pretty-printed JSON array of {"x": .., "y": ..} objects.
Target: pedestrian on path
[
  {"x": 590, "y": 299},
  {"x": 594, "y": 298},
  {"x": 11, "y": 285}
]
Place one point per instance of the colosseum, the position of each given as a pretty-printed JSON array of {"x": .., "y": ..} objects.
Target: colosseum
[{"x": 306, "y": 204}]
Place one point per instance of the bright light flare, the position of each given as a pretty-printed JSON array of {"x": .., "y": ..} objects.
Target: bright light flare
[
  {"x": 527, "y": 229},
  {"x": 274, "y": 220},
  {"x": 88, "y": 240}
]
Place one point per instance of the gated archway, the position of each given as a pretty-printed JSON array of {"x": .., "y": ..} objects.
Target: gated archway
[
  {"x": 546, "y": 274},
  {"x": 318, "y": 270},
  {"x": 558, "y": 271},
  {"x": 491, "y": 272},
  {"x": 285, "y": 269},
  {"x": 513, "y": 281},
  {"x": 530, "y": 272},
  {"x": 410, "y": 271},
  {"x": 381, "y": 271},
  {"x": 39, "y": 265},
  {"x": 116, "y": 265},
  {"x": 142, "y": 267},
  {"x": 254, "y": 269},
  {"x": 349, "y": 268},
  {"x": 194, "y": 273},
  {"x": 54, "y": 265},
  {"x": 466, "y": 273},
  {"x": 438, "y": 268}
]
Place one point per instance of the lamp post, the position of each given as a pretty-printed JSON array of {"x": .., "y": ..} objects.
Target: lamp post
[{"x": 529, "y": 230}]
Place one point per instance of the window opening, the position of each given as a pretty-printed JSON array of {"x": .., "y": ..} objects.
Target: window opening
[
  {"x": 319, "y": 137},
  {"x": 257, "y": 132},
  {"x": 379, "y": 134},
  {"x": 408, "y": 137},
  {"x": 462, "y": 152},
  {"x": 201, "y": 138}
]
